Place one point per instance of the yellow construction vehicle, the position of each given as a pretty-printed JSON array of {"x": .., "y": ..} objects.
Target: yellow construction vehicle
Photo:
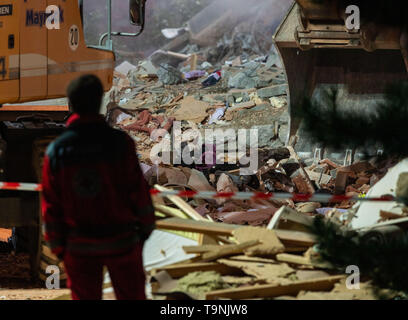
[
  {"x": 42, "y": 48},
  {"x": 318, "y": 49}
]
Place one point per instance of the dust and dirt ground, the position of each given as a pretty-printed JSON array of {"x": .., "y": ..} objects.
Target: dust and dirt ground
[{"x": 15, "y": 281}]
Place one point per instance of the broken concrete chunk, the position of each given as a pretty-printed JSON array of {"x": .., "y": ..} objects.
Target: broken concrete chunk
[
  {"x": 169, "y": 75},
  {"x": 266, "y": 133},
  {"x": 283, "y": 132},
  {"x": 280, "y": 102},
  {"x": 301, "y": 183},
  {"x": 175, "y": 176},
  {"x": 320, "y": 178},
  {"x": 241, "y": 81},
  {"x": 225, "y": 184},
  {"x": 341, "y": 182},
  {"x": 276, "y": 90},
  {"x": 273, "y": 59},
  {"x": 198, "y": 181},
  {"x": 124, "y": 68},
  {"x": 229, "y": 115},
  {"x": 206, "y": 65}
]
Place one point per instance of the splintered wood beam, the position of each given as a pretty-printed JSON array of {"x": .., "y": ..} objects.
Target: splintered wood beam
[
  {"x": 206, "y": 227},
  {"x": 270, "y": 291},
  {"x": 301, "y": 260},
  {"x": 295, "y": 238},
  {"x": 180, "y": 270},
  {"x": 288, "y": 238},
  {"x": 201, "y": 249},
  {"x": 176, "y": 213},
  {"x": 182, "y": 205},
  {"x": 294, "y": 259},
  {"x": 224, "y": 251}
]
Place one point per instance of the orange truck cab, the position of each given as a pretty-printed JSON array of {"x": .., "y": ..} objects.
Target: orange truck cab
[{"x": 37, "y": 62}]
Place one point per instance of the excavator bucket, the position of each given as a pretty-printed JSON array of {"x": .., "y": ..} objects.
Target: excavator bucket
[{"x": 318, "y": 51}]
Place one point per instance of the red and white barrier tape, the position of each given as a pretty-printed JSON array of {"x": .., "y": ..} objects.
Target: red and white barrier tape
[
  {"x": 318, "y": 197},
  {"x": 20, "y": 186}
]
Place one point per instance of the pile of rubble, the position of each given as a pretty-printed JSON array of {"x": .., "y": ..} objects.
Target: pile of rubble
[
  {"x": 254, "y": 248},
  {"x": 250, "y": 95},
  {"x": 275, "y": 256},
  {"x": 263, "y": 247},
  {"x": 272, "y": 262}
]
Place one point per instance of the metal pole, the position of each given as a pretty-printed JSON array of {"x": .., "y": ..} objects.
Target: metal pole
[
  {"x": 109, "y": 34},
  {"x": 109, "y": 44}
]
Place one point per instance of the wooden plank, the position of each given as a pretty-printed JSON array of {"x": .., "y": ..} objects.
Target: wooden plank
[
  {"x": 295, "y": 238},
  {"x": 206, "y": 227},
  {"x": 270, "y": 291},
  {"x": 293, "y": 258},
  {"x": 229, "y": 250},
  {"x": 206, "y": 239},
  {"x": 180, "y": 270},
  {"x": 225, "y": 240},
  {"x": 296, "y": 249},
  {"x": 181, "y": 204},
  {"x": 289, "y": 238},
  {"x": 301, "y": 260},
  {"x": 170, "y": 211},
  {"x": 262, "y": 269},
  {"x": 202, "y": 248},
  {"x": 193, "y": 62},
  {"x": 270, "y": 243}
]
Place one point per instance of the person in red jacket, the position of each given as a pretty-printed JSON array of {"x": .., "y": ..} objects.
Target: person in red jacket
[{"x": 97, "y": 209}]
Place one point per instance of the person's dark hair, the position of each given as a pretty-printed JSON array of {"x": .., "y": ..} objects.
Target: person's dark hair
[{"x": 85, "y": 94}]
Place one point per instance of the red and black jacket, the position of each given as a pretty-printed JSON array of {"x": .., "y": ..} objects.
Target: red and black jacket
[{"x": 95, "y": 198}]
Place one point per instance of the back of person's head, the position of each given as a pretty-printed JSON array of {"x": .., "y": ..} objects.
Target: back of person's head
[{"x": 85, "y": 94}]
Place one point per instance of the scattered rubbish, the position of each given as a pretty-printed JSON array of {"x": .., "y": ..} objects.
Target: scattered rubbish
[
  {"x": 217, "y": 115},
  {"x": 212, "y": 79},
  {"x": 194, "y": 75},
  {"x": 171, "y": 33}
]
